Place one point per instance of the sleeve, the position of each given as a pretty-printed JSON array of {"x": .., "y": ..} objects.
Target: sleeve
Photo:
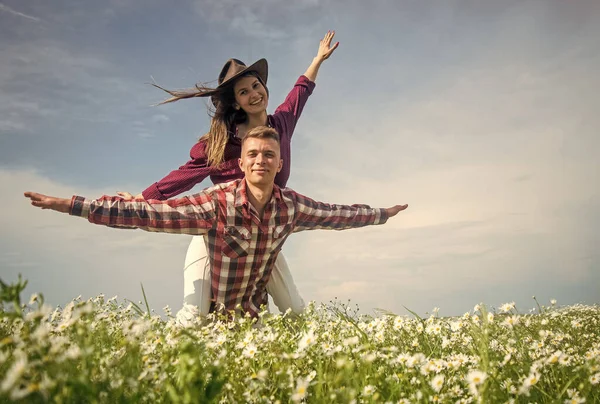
[
  {"x": 288, "y": 113},
  {"x": 182, "y": 179},
  {"x": 312, "y": 215},
  {"x": 194, "y": 215}
]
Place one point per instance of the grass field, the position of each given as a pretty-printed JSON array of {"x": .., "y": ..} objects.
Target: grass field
[{"x": 107, "y": 351}]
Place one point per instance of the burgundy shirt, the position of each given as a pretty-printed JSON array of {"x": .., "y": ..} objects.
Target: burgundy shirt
[
  {"x": 197, "y": 169},
  {"x": 242, "y": 246}
]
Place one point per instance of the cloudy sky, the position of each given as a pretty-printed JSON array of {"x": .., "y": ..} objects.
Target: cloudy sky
[{"x": 482, "y": 116}]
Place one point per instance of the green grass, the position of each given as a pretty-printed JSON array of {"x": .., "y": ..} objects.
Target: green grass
[{"x": 104, "y": 351}]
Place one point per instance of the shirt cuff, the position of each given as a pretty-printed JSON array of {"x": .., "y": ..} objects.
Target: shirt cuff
[
  {"x": 79, "y": 206},
  {"x": 382, "y": 217},
  {"x": 152, "y": 192},
  {"x": 305, "y": 82}
]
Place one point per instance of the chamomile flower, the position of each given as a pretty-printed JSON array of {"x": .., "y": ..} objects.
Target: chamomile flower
[
  {"x": 475, "y": 378},
  {"x": 250, "y": 351},
  {"x": 506, "y": 307},
  {"x": 437, "y": 383},
  {"x": 301, "y": 390},
  {"x": 368, "y": 390}
]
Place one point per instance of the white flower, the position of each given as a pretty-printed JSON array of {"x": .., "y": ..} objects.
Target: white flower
[
  {"x": 398, "y": 323},
  {"x": 595, "y": 378},
  {"x": 221, "y": 339},
  {"x": 15, "y": 372},
  {"x": 73, "y": 352},
  {"x": 249, "y": 351},
  {"x": 506, "y": 307},
  {"x": 553, "y": 302},
  {"x": 368, "y": 390},
  {"x": 554, "y": 358},
  {"x": 511, "y": 321},
  {"x": 475, "y": 378},
  {"x": 456, "y": 325},
  {"x": 574, "y": 397},
  {"x": 490, "y": 317},
  {"x": 307, "y": 340},
  {"x": 437, "y": 383},
  {"x": 300, "y": 390},
  {"x": 415, "y": 360},
  {"x": 34, "y": 298},
  {"x": 532, "y": 379},
  {"x": 187, "y": 316},
  {"x": 351, "y": 341}
]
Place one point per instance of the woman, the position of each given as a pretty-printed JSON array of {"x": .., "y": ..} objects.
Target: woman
[{"x": 240, "y": 104}]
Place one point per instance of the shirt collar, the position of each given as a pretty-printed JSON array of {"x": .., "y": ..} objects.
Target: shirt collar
[{"x": 241, "y": 194}]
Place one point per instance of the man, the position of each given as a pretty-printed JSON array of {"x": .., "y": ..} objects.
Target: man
[{"x": 246, "y": 221}]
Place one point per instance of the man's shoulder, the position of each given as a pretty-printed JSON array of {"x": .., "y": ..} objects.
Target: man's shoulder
[
  {"x": 218, "y": 190},
  {"x": 223, "y": 187},
  {"x": 289, "y": 194}
]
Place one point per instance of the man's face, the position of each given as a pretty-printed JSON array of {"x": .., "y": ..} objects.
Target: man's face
[{"x": 260, "y": 160}]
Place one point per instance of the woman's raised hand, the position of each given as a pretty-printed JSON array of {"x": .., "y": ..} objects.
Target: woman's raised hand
[{"x": 325, "y": 48}]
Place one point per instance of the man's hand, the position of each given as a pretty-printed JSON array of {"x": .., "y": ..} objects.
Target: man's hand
[
  {"x": 49, "y": 202},
  {"x": 393, "y": 211}
]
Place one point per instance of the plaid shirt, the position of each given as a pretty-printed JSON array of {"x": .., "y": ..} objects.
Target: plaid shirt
[{"x": 242, "y": 247}]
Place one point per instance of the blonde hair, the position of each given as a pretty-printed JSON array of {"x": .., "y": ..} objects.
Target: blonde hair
[{"x": 262, "y": 132}]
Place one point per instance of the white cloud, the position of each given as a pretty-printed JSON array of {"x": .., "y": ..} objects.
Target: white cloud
[
  {"x": 65, "y": 256},
  {"x": 9, "y": 10},
  {"x": 265, "y": 20},
  {"x": 160, "y": 118}
]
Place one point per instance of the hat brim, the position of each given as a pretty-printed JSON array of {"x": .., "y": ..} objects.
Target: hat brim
[{"x": 260, "y": 67}]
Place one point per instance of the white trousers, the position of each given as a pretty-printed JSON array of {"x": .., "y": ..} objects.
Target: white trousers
[{"x": 197, "y": 279}]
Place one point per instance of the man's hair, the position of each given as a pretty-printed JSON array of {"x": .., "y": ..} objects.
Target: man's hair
[{"x": 262, "y": 132}]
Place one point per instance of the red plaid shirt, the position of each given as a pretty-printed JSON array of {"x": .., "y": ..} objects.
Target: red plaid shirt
[{"x": 242, "y": 247}]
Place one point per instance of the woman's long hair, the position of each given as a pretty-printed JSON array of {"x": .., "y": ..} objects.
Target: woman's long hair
[{"x": 223, "y": 115}]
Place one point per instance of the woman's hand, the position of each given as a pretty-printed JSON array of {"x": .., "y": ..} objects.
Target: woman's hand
[
  {"x": 325, "y": 48},
  {"x": 128, "y": 197}
]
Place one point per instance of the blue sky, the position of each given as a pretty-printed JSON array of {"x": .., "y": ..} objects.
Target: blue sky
[{"x": 482, "y": 116}]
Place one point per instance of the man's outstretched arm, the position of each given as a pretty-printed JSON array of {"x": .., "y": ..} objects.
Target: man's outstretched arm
[
  {"x": 188, "y": 215},
  {"x": 318, "y": 215}
]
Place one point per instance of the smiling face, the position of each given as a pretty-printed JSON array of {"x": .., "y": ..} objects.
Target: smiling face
[
  {"x": 250, "y": 95},
  {"x": 260, "y": 160}
]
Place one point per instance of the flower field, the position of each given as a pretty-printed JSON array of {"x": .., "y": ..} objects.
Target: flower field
[{"x": 106, "y": 351}]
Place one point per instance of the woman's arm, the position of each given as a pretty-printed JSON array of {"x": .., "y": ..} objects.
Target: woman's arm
[
  {"x": 287, "y": 114},
  {"x": 177, "y": 181},
  {"x": 325, "y": 50}
]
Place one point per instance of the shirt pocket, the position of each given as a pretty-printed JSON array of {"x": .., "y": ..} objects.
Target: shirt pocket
[
  {"x": 236, "y": 242},
  {"x": 279, "y": 236}
]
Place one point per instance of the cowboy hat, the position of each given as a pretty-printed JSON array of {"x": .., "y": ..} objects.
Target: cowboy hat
[{"x": 235, "y": 68}]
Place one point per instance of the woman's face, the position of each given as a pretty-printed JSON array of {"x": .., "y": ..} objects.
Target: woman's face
[{"x": 250, "y": 95}]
